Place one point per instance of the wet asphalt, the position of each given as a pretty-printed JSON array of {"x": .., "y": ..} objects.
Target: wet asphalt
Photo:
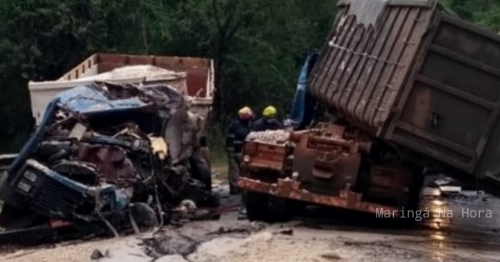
[{"x": 457, "y": 227}]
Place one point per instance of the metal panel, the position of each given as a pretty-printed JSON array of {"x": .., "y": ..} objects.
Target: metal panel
[
  {"x": 425, "y": 3},
  {"x": 198, "y": 70},
  {"x": 363, "y": 66},
  {"x": 451, "y": 103},
  {"x": 417, "y": 77}
]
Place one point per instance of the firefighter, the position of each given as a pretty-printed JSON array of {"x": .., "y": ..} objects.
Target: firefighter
[
  {"x": 238, "y": 130},
  {"x": 268, "y": 120}
]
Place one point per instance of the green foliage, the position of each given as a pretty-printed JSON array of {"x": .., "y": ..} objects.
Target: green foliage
[
  {"x": 484, "y": 12},
  {"x": 258, "y": 45}
]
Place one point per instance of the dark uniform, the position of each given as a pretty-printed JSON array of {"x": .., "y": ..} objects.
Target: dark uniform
[
  {"x": 264, "y": 124},
  {"x": 238, "y": 131}
]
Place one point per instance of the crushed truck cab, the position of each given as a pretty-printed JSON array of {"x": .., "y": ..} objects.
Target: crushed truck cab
[
  {"x": 101, "y": 152},
  {"x": 119, "y": 141}
]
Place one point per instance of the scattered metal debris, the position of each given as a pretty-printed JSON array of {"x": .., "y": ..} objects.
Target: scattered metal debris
[
  {"x": 224, "y": 230},
  {"x": 288, "y": 232},
  {"x": 101, "y": 156},
  {"x": 331, "y": 255},
  {"x": 96, "y": 255}
]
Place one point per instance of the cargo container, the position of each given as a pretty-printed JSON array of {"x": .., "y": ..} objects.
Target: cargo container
[
  {"x": 193, "y": 76},
  {"x": 414, "y": 87},
  {"x": 419, "y": 77}
]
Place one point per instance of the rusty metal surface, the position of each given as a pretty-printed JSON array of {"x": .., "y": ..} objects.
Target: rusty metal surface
[
  {"x": 325, "y": 161},
  {"x": 266, "y": 150},
  {"x": 264, "y": 156},
  {"x": 421, "y": 79},
  {"x": 386, "y": 182},
  {"x": 291, "y": 189},
  {"x": 362, "y": 69},
  {"x": 450, "y": 107}
]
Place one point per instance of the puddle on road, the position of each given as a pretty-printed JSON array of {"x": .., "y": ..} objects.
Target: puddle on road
[{"x": 463, "y": 227}]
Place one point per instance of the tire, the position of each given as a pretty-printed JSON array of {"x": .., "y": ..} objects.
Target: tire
[
  {"x": 12, "y": 218},
  {"x": 201, "y": 170},
  {"x": 205, "y": 154},
  {"x": 271, "y": 209},
  {"x": 414, "y": 197},
  {"x": 144, "y": 215},
  {"x": 256, "y": 206},
  {"x": 280, "y": 209}
]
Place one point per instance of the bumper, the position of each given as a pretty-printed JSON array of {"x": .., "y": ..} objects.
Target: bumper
[
  {"x": 287, "y": 188},
  {"x": 51, "y": 194}
]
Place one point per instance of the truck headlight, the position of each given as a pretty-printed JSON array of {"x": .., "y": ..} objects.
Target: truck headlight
[
  {"x": 30, "y": 176},
  {"x": 246, "y": 158},
  {"x": 24, "y": 186}
]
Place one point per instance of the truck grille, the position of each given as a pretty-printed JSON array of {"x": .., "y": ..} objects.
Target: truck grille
[{"x": 54, "y": 199}]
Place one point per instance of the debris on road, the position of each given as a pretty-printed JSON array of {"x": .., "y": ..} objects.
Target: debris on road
[
  {"x": 224, "y": 230},
  {"x": 96, "y": 255},
  {"x": 170, "y": 242},
  {"x": 171, "y": 258},
  {"x": 331, "y": 255},
  {"x": 288, "y": 232}
]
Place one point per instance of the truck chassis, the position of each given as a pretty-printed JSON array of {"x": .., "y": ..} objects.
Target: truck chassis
[{"x": 331, "y": 165}]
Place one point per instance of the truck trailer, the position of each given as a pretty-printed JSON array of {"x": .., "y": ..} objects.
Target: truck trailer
[{"x": 402, "y": 86}]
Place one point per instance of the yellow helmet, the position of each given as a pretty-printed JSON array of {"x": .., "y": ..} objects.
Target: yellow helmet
[
  {"x": 245, "y": 113},
  {"x": 269, "y": 111}
]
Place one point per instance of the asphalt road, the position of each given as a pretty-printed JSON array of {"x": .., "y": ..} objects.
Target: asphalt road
[{"x": 461, "y": 228}]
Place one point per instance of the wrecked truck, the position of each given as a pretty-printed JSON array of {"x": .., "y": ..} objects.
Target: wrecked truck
[
  {"x": 398, "y": 86},
  {"x": 190, "y": 76},
  {"x": 101, "y": 156},
  {"x": 100, "y": 151}
]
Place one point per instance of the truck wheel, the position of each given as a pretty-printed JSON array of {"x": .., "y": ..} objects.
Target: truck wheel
[
  {"x": 271, "y": 209},
  {"x": 414, "y": 197},
  {"x": 201, "y": 171},
  {"x": 144, "y": 215},
  {"x": 256, "y": 206},
  {"x": 279, "y": 209},
  {"x": 12, "y": 218}
]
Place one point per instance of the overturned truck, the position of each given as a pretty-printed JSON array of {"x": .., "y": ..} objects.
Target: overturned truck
[
  {"x": 401, "y": 85},
  {"x": 111, "y": 155}
]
